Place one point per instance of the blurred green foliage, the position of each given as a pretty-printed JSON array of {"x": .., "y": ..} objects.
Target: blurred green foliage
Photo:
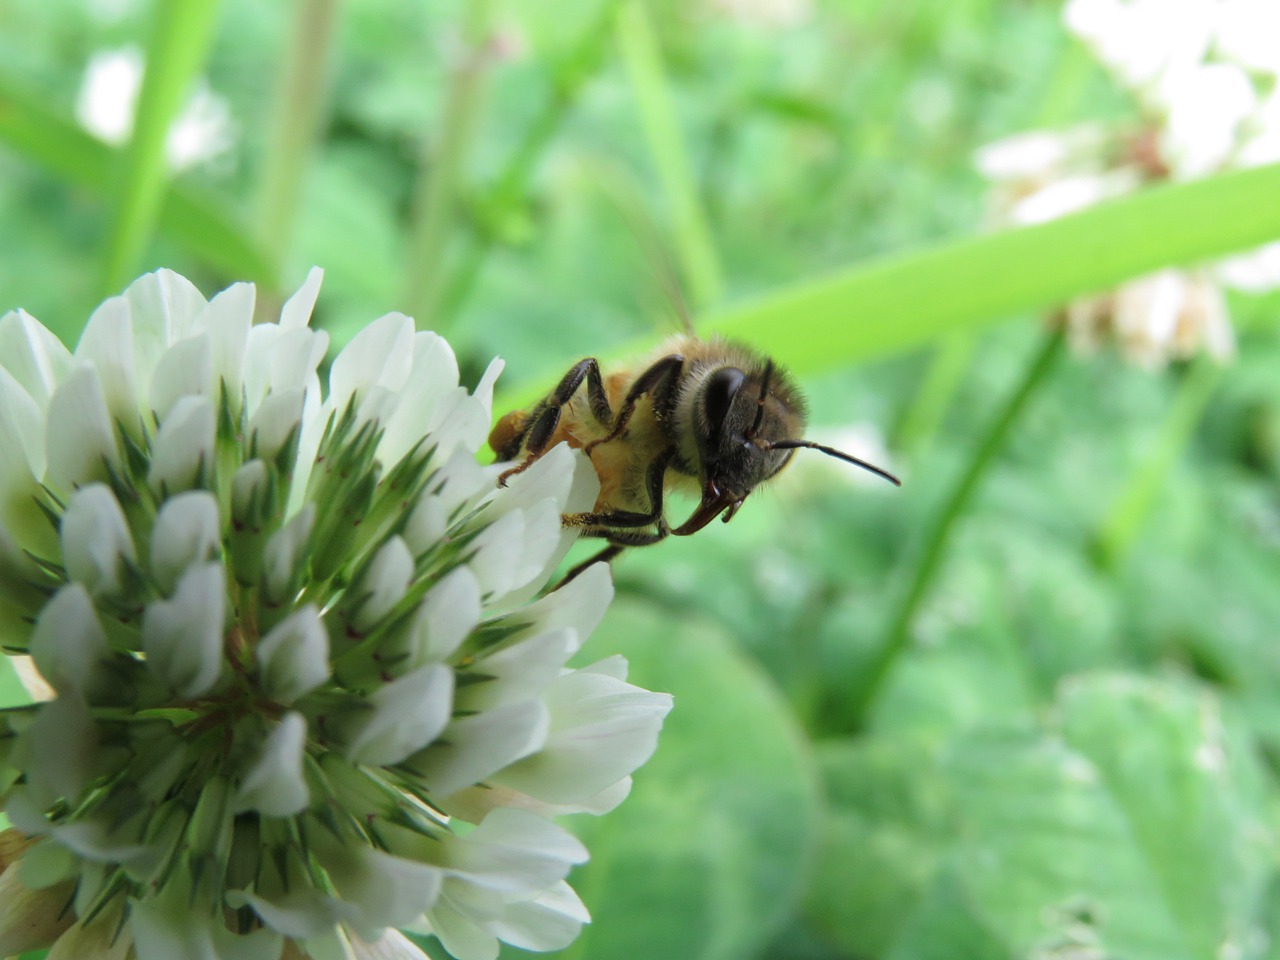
[{"x": 1068, "y": 757}]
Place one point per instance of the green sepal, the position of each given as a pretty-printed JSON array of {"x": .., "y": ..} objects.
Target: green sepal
[
  {"x": 397, "y": 494},
  {"x": 337, "y": 534},
  {"x": 209, "y": 831},
  {"x": 252, "y": 525}
]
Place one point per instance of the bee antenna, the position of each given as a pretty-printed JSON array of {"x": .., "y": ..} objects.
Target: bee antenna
[
  {"x": 764, "y": 392},
  {"x": 832, "y": 452}
]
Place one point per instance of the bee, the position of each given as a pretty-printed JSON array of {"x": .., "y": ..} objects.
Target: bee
[{"x": 713, "y": 418}]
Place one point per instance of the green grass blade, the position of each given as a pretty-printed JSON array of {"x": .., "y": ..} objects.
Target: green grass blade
[
  {"x": 923, "y": 569},
  {"x": 929, "y": 407},
  {"x": 301, "y": 102},
  {"x": 180, "y": 37},
  {"x": 1123, "y": 523},
  {"x": 507, "y": 196},
  {"x": 906, "y": 300},
  {"x": 63, "y": 149},
  {"x": 639, "y": 48},
  {"x": 442, "y": 173}
]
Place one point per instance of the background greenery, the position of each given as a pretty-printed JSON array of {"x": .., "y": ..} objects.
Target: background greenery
[{"x": 1025, "y": 706}]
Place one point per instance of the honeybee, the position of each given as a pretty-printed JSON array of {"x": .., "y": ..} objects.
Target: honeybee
[{"x": 709, "y": 417}]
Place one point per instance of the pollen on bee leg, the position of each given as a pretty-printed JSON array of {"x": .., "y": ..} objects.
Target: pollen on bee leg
[{"x": 571, "y": 520}]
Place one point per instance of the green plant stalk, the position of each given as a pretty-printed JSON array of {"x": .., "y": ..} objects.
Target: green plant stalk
[
  {"x": 53, "y": 143},
  {"x": 440, "y": 173},
  {"x": 901, "y": 301},
  {"x": 929, "y": 406},
  {"x": 511, "y": 184},
  {"x": 295, "y": 129},
  {"x": 928, "y": 560},
  {"x": 897, "y": 302},
  {"x": 950, "y": 357},
  {"x": 181, "y": 34},
  {"x": 694, "y": 247},
  {"x": 1061, "y": 104},
  {"x": 947, "y": 364},
  {"x": 1129, "y": 511}
]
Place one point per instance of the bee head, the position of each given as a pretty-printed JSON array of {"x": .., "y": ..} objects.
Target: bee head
[
  {"x": 737, "y": 417},
  {"x": 746, "y": 427}
]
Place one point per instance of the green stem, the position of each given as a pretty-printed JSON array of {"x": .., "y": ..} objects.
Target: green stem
[
  {"x": 694, "y": 247},
  {"x": 1061, "y": 103},
  {"x": 300, "y": 106},
  {"x": 928, "y": 561},
  {"x": 947, "y": 365},
  {"x": 1129, "y": 511},
  {"x": 181, "y": 34},
  {"x": 512, "y": 183},
  {"x": 950, "y": 358},
  {"x": 435, "y": 201}
]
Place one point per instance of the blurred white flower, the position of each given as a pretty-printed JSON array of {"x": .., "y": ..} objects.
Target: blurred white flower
[
  {"x": 1206, "y": 108},
  {"x": 1247, "y": 32},
  {"x": 109, "y": 96},
  {"x": 1201, "y": 70},
  {"x": 1172, "y": 314},
  {"x": 1140, "y": 39},
  {"x": 1045, "y": 174},
  {"x": 1255, "y": 272},
  {"x": 1205, "y": 81},
  {"x": 765, "y": 13},
  {"x": 299, "y": 698}
]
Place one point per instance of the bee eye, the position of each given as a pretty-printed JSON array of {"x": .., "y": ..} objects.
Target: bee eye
[{"x": 718, "y": 396}]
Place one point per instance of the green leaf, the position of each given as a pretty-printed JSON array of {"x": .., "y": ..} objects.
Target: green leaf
[
  {"x": 180, "y": 37},
  {"x": 1186, "y": 779},
  {"x": 905, "y": 300},
  {"x": 1136, "y": 826},
  {"x": 643, "y": 59},
  {"x": 947, "y": 928},
  {"x": 901, "y": 301},
  {"x": 706, "y": 857},
  {"x": 1047, "y": 857},
  {"x": 887, "y": 826},
  {"x": 60, "y": 147}
]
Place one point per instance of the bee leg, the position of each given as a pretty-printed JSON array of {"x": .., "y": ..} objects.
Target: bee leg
[
  {"x": 541, "y": 425},
  {"x": 657, "y": 381},
  {"x": 604, "y": 556},
  {"x": 628, "y": 519},
  {"x": 619, "y": 540},
  {"x": 520, "y": 467}
]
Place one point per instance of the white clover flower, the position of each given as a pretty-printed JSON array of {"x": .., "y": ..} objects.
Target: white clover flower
[
  {"x": 1201, "y": 70},
  {"x": 1141, "y": 39},
  {"x": 108, "y": 99},
  {"x": 300, "y": 697},
  {"x": 1167, "y": 314},
  {"x": 1204, "y": 74}
]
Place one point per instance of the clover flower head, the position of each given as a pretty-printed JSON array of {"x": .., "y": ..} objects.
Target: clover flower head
[
  {"x": 303, "y": 693},
  {"x": 1206, "y": 79}
]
